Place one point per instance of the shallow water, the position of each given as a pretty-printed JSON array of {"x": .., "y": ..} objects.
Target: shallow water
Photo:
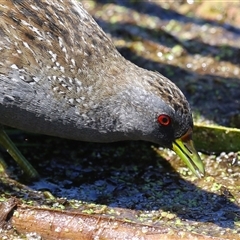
[{"x": 198, "y": 47}]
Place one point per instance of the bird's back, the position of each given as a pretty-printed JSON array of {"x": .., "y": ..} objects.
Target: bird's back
[{"x": 54, "y": 67}]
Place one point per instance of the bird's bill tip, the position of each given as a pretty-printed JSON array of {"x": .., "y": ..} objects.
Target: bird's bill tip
[{"x": 185, "y": 149}]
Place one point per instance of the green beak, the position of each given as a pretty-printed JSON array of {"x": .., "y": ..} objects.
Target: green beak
[{"x": 186, "y": 151}]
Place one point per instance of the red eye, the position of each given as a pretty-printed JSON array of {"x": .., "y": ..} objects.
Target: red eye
[{"x": 164, "y": 119}]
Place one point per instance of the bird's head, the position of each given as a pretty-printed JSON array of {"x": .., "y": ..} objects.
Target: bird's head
[
  {"x": 177, "y": 136},
  {"x": 167, "y": 120}
]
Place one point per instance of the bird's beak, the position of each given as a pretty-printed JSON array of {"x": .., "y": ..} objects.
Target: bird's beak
[{"x": 186, "y": 151}]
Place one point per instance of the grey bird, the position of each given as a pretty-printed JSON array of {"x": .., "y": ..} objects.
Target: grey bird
[{"x": 61, "y": 75}]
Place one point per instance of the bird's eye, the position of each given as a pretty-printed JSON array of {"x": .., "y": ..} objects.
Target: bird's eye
[{"x": 164, "y": 119}]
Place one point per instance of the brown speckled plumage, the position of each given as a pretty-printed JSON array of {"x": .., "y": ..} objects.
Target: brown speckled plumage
[{"x": 61, "y": 75}]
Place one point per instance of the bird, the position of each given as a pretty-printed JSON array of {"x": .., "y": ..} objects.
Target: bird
[{"x": 61, "y": 75}]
